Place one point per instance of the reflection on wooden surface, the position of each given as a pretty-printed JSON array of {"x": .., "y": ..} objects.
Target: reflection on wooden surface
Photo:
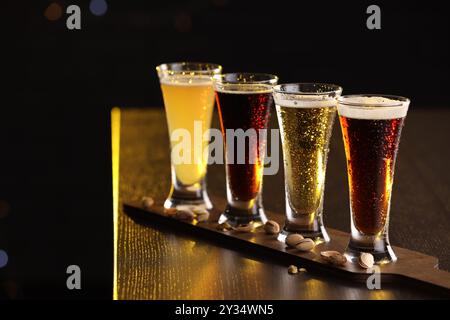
[{"x": 154, "y": 262}]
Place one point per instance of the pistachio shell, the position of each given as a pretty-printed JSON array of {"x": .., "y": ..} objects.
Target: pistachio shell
[
  {"x": 184, "y": 214},
  {"x": 203, "y": 216},
  {"x": 366, "y": 260},
  {"x": 293, "y": 239},
  {"x": 147, "y": 202},
  {"x": 305, "y": 245},
  {"x": 244, "y": 228},
  {"x": 338, "y": 260},
  {"x": 200, "y": 211},
  {"x": 334, "y": 257},
  {"x": 271, "y": 227},
  {"x": 292, "y": 269},
  {"x": 327, "y": 254}
]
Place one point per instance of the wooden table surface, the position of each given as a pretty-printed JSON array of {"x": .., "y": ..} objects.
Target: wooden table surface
[{"x": 155, "y": 262}]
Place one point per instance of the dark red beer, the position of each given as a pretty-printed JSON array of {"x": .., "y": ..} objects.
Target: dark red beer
[
  {"x": 245, "y": 110},
  {"x": 371, "y": 127},
  {"x": 371, "y": 148}
]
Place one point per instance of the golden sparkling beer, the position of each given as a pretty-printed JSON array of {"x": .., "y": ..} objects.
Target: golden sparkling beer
[
  {"x": 306, "y": 113},
  {"x": 188, "y": 100},
  {"x": 305, "y": 133}
]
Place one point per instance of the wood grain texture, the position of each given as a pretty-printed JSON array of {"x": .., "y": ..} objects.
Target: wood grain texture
[
  {"x": 156, "y": 262},
  {"x": 418, "y": 268}
]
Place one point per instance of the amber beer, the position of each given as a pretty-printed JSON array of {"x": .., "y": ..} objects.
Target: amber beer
[
  {"x": 371, "y": 129},
  {"x": 244, "y": 102},
  {"x": 306, "y": 113}
]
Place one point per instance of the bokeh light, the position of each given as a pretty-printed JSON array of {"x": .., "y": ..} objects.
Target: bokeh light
[
  {"x": 98, "y": 7},
  {"x": 3, "y": 258},
  {"x": 53, "y": 12},
  {"x": 4, "y": 208}
]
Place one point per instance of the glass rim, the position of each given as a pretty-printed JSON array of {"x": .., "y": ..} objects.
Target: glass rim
[
  {"x": 397, "y": 101},
  {"x": 270, "y": 79},
  {"x": 197, "y": 67},
  {"x": 336, "y": 89}
]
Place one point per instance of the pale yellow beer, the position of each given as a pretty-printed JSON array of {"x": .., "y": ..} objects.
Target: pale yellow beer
[
  {"x": 188, "y": 95},
  {"x": 189, "y": 100}
]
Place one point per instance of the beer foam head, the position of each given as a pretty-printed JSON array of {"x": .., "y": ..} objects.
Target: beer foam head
[
  {"x": 188, "y": 68},
  {"x": 373, "y": 107},
  {"x": 306, "y": 95},
  {"x": 186, "y": 80},
  {"x": 244, "y": 88},
  {"x": 244, "y": 83},
  {"x": 302, "y": 101}
]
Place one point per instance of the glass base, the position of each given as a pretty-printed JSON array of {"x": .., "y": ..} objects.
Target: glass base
[
  {"x": 381, "y": 250},
  {"x": 316, "y": 231},
  {"x": 198, "y": 199},
  {"x": 317, "y": 236},
  {"x": 236, "y": 217}
]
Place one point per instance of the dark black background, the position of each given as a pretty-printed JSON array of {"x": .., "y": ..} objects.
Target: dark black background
[{"x": 59, "y": 86}]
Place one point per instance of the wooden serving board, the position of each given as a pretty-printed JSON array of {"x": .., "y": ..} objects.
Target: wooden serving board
[{"x": 411, "y": 267}]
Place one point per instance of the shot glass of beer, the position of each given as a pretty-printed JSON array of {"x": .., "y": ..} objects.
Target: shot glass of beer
[
  {"x": 371, "y": 128},
  {"x": 244, "y": 101},
  {"x": 306, "y": 113},
  {"x": 188, "y": 100}
]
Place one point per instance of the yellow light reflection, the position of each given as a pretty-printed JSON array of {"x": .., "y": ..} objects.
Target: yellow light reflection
[
  {"x": 314, "y": 288},
  {"x": 204, "y": 279},
  {"x": 388, "y": 181},
  {"x": 380, "y": 295},
  {"x": 115, "y": 148}
]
